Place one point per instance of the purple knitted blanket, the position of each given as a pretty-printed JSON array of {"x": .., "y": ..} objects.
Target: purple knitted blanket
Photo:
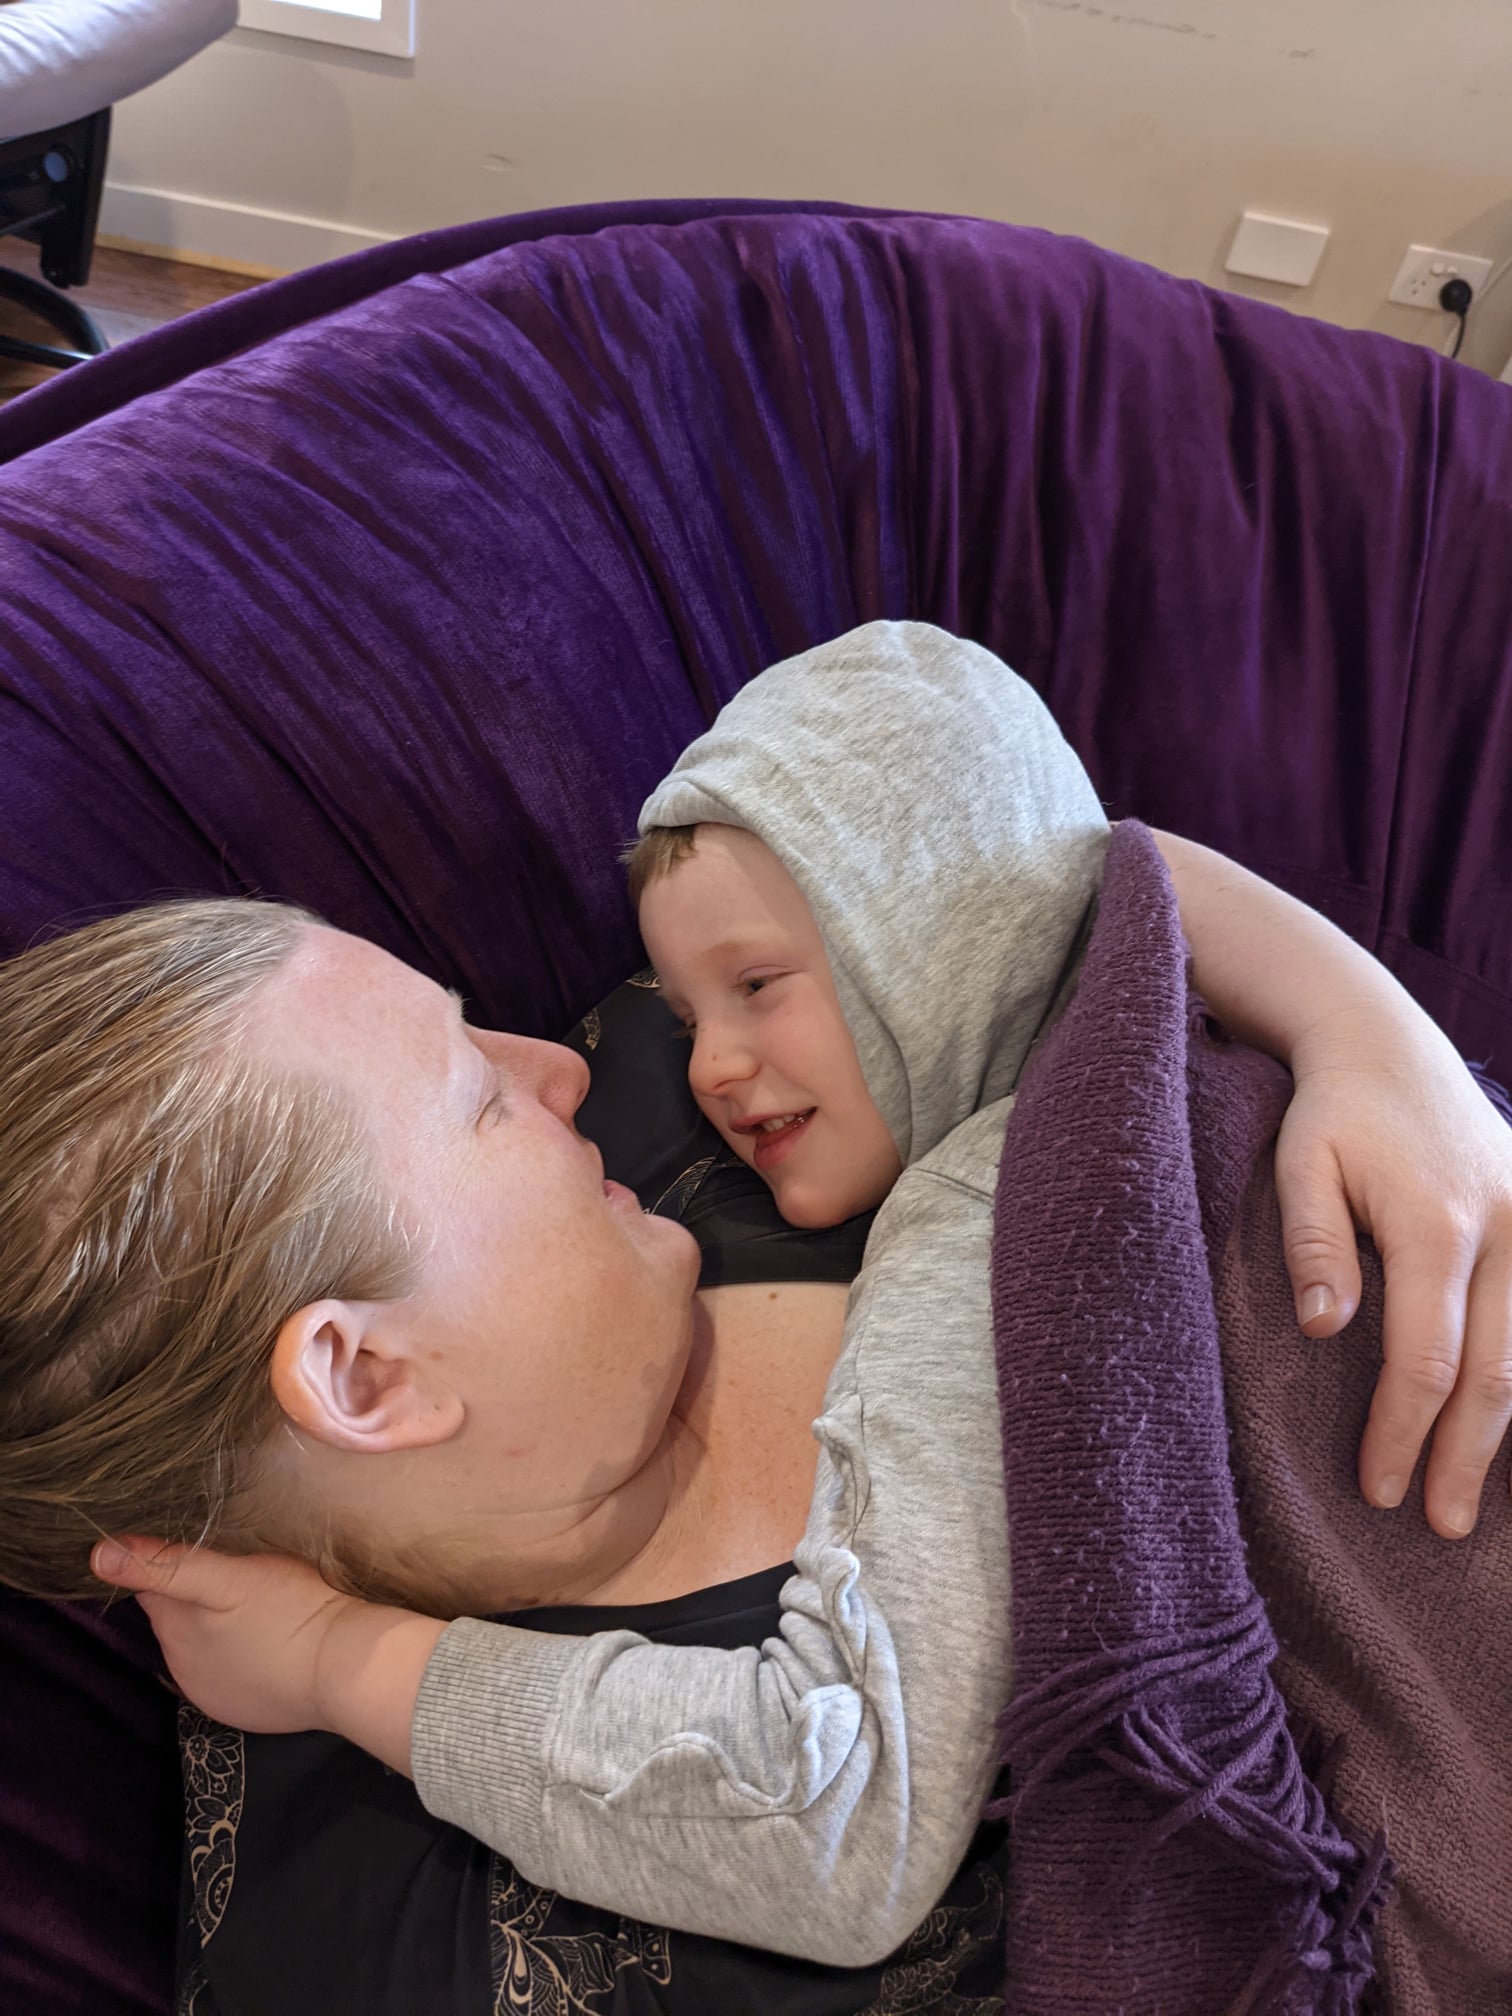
[{"x": 1172, "y": 1855}]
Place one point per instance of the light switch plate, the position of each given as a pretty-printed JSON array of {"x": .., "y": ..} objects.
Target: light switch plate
[{"x": 1276, "y": 248}]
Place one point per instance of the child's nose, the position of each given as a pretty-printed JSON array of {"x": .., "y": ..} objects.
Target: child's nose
[{"x": 717, "y": 1062}]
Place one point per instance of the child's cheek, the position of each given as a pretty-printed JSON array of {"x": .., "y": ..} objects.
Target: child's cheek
[{"x": 713, "y": 1112}]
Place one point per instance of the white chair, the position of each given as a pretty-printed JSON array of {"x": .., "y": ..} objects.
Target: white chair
[{"x": 63, "y": 64}]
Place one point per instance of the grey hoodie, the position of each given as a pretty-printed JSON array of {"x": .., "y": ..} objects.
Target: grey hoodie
[{"x": 816, "y": 1796}]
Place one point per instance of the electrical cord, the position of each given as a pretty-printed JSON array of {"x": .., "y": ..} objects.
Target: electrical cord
[{"x": 1455, "y": 297}]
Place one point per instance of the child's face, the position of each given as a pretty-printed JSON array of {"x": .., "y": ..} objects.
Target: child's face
[{"x": 743, "y": 966}]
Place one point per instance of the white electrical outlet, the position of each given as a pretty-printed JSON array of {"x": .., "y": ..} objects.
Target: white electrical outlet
[{"x": 1425, "y": 269}]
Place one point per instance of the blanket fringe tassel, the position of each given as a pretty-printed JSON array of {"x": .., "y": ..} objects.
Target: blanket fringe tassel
[{"x": 1114, "y": 1709}]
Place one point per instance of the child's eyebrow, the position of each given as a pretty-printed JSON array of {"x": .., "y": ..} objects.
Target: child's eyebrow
[{"x": 729, "y": 948}]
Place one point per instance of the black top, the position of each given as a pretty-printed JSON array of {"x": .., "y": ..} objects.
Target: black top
[{"x": 316, "y": 1884}]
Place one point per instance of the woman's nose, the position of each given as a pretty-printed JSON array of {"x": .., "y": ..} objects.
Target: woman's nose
[{"x": 557, "y": 1076}]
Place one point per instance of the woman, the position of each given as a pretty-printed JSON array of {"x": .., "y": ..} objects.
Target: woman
[{"x": 598, "y": 1278}]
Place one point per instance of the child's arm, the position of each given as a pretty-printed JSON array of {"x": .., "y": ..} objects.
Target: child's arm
[
  {"x": 793, "y": 1797},
  {"x": 1387, "y": 1129}
]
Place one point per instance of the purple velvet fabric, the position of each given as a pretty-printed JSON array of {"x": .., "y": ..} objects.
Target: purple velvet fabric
[{"x": 393, "y": 587}]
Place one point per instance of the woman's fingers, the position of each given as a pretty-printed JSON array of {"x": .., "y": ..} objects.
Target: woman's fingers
[
  {"x": 1474, "y": 1420},
  {"x": 1317, "y": 1237},
  {"x": 1426, "y": 1282}
]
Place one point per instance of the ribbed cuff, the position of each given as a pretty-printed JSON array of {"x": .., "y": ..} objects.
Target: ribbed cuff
[{"x": 481, "y": 1730}]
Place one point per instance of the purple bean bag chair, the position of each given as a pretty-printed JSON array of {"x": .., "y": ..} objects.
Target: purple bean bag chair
[{"x": 393, "y": 586}]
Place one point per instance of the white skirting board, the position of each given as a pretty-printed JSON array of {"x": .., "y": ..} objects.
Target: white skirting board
[{"x": 266, "y": 240}]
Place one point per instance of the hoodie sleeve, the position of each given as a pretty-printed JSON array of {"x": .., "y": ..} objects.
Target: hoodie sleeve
[{"x": 815, "y": 1796}]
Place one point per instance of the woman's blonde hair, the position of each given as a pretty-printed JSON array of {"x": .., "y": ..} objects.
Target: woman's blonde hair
[{"x": 165, "y": 1205}]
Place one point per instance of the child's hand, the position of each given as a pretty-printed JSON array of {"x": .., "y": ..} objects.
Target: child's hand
[
  {"x": 263, "y": 1643},
  {"x": 1399, "y": 1138},
  {"x": 243, "y": 1635}
]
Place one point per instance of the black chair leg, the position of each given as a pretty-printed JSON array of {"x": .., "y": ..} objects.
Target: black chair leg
[{"x": 81, "y": 331}]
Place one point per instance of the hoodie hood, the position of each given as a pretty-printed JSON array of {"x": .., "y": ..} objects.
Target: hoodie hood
[{"x": 947, "y": 841}]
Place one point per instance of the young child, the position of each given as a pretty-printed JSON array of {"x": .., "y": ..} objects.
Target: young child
[
  {"x": 894, "y": 816},
  {"x": 864, "y": 891},
  {"x": 880, "y": 908}
]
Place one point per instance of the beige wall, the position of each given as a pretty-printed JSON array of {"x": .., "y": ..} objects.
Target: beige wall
[{"x": 1147, "y": 125}]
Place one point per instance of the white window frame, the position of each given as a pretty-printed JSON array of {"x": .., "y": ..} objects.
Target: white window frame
[{"x": 392, "y": 35}]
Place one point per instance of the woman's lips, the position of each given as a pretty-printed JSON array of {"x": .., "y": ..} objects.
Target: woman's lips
[
  {"x": 621, "y": 1194},
  {"x": 769, "y": 1149}
]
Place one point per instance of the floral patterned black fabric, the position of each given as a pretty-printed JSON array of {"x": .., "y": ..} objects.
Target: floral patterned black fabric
[
  {"x": 316, "y": 1884},
  {"x": 319, "y": 1886}
]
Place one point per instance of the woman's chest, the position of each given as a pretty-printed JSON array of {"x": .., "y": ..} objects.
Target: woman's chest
[{"x": 774, "y": 1346}]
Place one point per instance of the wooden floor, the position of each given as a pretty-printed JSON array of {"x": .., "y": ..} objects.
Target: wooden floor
[{"x": 127, "y": 293}]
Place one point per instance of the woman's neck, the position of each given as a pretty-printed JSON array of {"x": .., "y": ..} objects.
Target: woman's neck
[
  {"x": 724, "y": 1493},
  {"x": 737, "y": 1463}
]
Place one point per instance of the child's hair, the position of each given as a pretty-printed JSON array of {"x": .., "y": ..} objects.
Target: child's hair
[
  {"x": 165, "y": 1205},
  {"x": 654, "y": 855}
]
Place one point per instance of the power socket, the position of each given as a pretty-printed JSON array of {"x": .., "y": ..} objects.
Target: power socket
[{"x": 1425, "y": 269}]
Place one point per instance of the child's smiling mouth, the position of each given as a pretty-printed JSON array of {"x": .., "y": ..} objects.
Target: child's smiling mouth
[{"x": 773, "y": 1135}]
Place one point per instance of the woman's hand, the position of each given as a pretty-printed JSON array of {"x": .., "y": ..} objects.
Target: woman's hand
[
  {"x": 261, "y": 1642},
  {"x": 1387, "y": 1131},
  {"x": 1395, "y": 1136}
]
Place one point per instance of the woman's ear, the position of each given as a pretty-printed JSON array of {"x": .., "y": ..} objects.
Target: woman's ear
[{"x": 343, "y": 1377}]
